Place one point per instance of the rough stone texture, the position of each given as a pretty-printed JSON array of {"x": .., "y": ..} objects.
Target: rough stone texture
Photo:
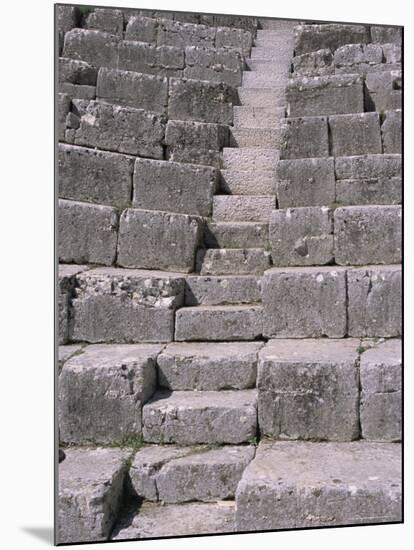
[
  {"x": 106, "y": 20},
  {"x": 285, "y": 486},
  {"x": 381, "y": 404},
  {"x": 308, "y": 302},
  {"x": 368, "y": 235},
  {"x": 391, "y": 130},
  {"x": 67, "y": 17},
  {"x": 392, "y": 53},
  {"x": 202, "y": 101},
  {"x": 234, "y": 38},
  {"x": 77, "y": 91},
  {"x": 383, "y": 90},
  {"x": 147, "y": 58},
  {"x": 316, "y": 63},
  {"x": 121, "y": 305},
  {"x": 244, "y": 182},
  {"x": 142, "y": 29},
  {"x": 66, "y": 352},
  {"x": 261, "y": 97},
  {"x": 250, "y": 159},
  {"x": 219, "y": 323},
  {"x": 221, "y": 290},
  {"x": 102, "y": 390},
  {"x": 257, "y": 117},
  {"x": 181, "y": 188},
  {"x": 87, "y": 233},
  {"x": 325, "y": 95},
  {"x": 309, "y": 389},
  {"x": 94, "y": 176},
  {"x": 176, "y": 33},
  {"x": 214, "y": 64},
  {"x": 301, "y": 236},
  {"x": 63, "y": 108},
  {"x": 350, "y": 55},
  {"x": 236, "y": 235},
  {"x": 100, "y": 49},
  {"x": 231, "y": 261},
  {"x": 305, "y": 182},
  {"x": 66, "y": 289},
  {"x": 193, "y": 518},
  {"x": 358, "y": 134},
  {"x": 76, "y": 72},
  {"x": 386, "y": 34},
  {"x": 268, "y": 138},
  {"x": 208, "y": 366},
  {"x": 188, "y": 418},
  {"x": 90, "y": 492},
  {"x": 243, "y": 208},
  {"x": 304, "y": 138},
  {"x": 121, "y": 129},
  {"x": 152, "y": 239},
  {"x": 142, "y": 91},
  {"x": 374, "y": 301},
  {"x": 332, "y": 35}
]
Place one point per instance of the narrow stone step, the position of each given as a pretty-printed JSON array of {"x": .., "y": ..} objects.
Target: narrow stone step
[
  {"x": 174, "y": 520},
  {"x": 191, "y": 417},
  {"x": 236, "y": 235},
  {"x": 285, "y": 486},
  {"x": 221, "y": 290},
  {"x": 244, "y": 182},
  {"x": 233, "y": 261},
  {"x": 253, "y": 79},
  {"x": 243, "y": 208},
  {"x": 251, "y": 159},
  {"x": 269, "y": 65},
  {"x": 271, "y": 52},
  {"x": 269, "y": 24},
  {"x": 208, "y": 366},
  {"x": 262, "y": 97},
  {"x": 284, "y": 29},
  {"x": 258, "y": 117},
  {"x": 90, "y": 490},
  {"x": 174, "y": 475},
  {"x": 256, "y": 137},
  {"x": 218, "y": 323}
]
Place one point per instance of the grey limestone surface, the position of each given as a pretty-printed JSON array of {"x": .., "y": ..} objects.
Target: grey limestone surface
[{"x": 222, "y": 289}]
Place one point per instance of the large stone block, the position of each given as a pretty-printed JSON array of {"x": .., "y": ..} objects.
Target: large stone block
[
  {"x": 208, "y": 366},
  {"x": 91, "y": 483},
  {"x": 381, "y": 399},
  {"x": 188, "y": 418},
  {"x": 214, "y": 64},
  {"x": 121, "y": 129},
  {"x": 66, "y": 291},
  {"x": 172, "y": 186},
  {"x": 87, "y": 233},
  {"x": 358, "y": 134},
  {"x": 95, "y": 47},
  {"x": 199, "y": 100},
  {"x": 316, "y": 63},
  {"x": 392, "y": 53},
  {"x": 386, "y": 34},
  {"x": 352, "y": 57},
  {"x": 222, "y": 289},
  {"x": 384, "y": 90},
  {"x": 332, "y": 35},
  {"x": 305, "y": 182},
  {"x": 236, "y": 235},
  {"x": 234, "y": 38},
  {"x": 147, "y": 58},
  {"x": 304, "y": 138},
  {"x": 325, "y": 95},
  {"x": 102, "y": 390},
  {"x": 309, "y": 389},
  {"x": 307, "y": 302},
  {"x": 76, "y": 72},
  {"x": 142, "y": 91},
  {"x": 65, "y": 352},
  {"x": 106, "y": 20},
  {"x": 175, "y": 33},
  {"x": 141, "y": 29},
  {"x": 374, "y": 301},
  {"x": 301, "y": 236},
  {"x": 94, "y": 176},
  {"x": 63, "y": 109},
  {"x": 368, "y": 235},
  {"x": 67, "y": 17},
  {"x": 391, "y": 130},
  {"x": 153, "y": 239},
  {"x": 232, "y": 261},
  {"x": 303, "y": 484}
]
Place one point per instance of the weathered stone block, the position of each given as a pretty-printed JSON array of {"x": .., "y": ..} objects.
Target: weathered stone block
[
  {"x": 153, "y": 239},
  {"x": 325, "y": 95},
  {"x": 66, "y": 291},
  {"x": 95, "y": 47},
  {"x": 220, "y": 290},
  {"x": 391, "y": 130},
  {"x": 374, "y": 301},
  {"x": 121, "y": 129},
  {"x": 305, "y": 182},
  {"x": 218, "y": 323},
  {"x": 250, "y": 159},
  {"x": 355, "y": 54},
  {"x": 387, "y": 34},
  {"x": 106, "y": 20},
  {"x": 230, "y": 261},
  {"x": 392, "y": 53},
  {"x": 368, "y": 235},
  {"x": 238, "y": 21},
  {"x": 142, "y": 29},
  {"x": 63, "y": 108},
  {"x": 181, "y": 188},
  {"x": 214, "y": 64},
  {"x": 265, "y": 138},
  {"x": 332, "y": 35},
  {"x": 203, "y": 101},
  {"x": 141, "y": 91},
  {"x": 76, "y": 72},
  {"x": 367, "y": 166},
  {"x": 381, "y": 404},
  {"x": 67, "y": 17},
  {"x": 304, "y": 484},
  {"x": 234, "y": 38},
  {"x": 236, "y": 235},
  {"x": 358, "y": 134},
  {"x": 188, "y": 418},
  {"x": 208, "y": 366},
  {"x": 175, "y": 33},
  {"x": 147, "y": 58},
  {"x": 314, "y": 63},
  {"x": 383, "y": 90},
  {"x": 101, "y": 392},
  {"x": 87, "y": 233},
  {"x": 309, "y": 389},
  {"x": 94, "y": 176},
  {"x": 243, "y": 208},
  {"x": 90, "y": 493},
  {"x": 307, "y": 302},
  {"x": 304, "y": 138},
  {"x": 124, "y": 305},
  {"x": 77, "y": 91},
  {"x": 301, "y": 236}
]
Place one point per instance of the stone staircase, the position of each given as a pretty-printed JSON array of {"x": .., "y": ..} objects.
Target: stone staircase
[{"x": 229, "y": 316}]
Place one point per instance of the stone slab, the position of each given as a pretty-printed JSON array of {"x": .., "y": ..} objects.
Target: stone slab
[
  {"x": 244, "y": 182},
  {"x": 232, "y": 261},
  {"x": 304, "y": 138},
  {"x": 355, "y": 134},
  {"x": 221, "y": 290},
  {"x": 236, "y": 235},
  {"x": 251, "y": 159},
  {"x": 243, "y": 208},
  {"x": 66, "y": 291}
]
